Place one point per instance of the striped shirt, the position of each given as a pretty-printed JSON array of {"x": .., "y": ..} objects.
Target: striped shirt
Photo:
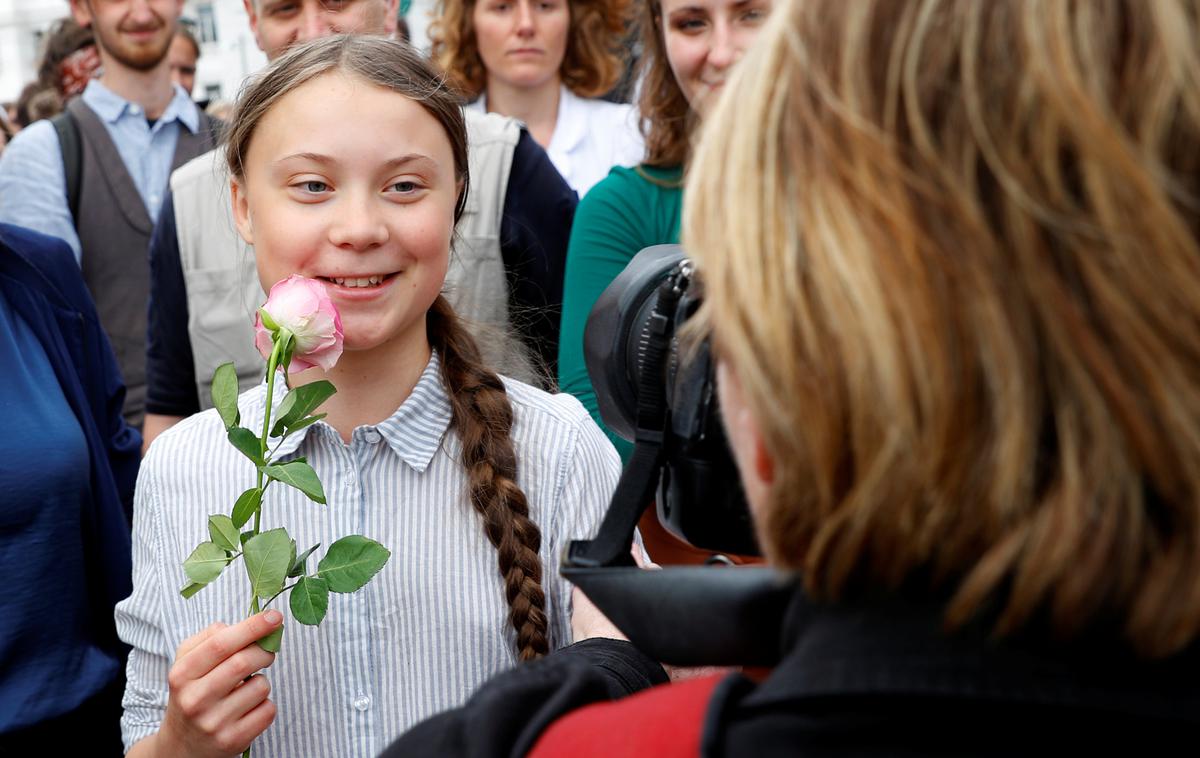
[{"x": 428, "y": 629}]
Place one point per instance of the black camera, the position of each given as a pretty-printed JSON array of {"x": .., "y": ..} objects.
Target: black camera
[
  {"x": 660, "y": 393},
  {"x": 699, "y": 495}
]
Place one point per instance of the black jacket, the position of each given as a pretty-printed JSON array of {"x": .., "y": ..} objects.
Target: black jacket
[{"x": 872, "y": 678}]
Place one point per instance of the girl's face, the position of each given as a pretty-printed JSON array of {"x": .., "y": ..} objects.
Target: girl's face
[
  {"x": 522, "y": 42},
  {"x": 353, "y": 185},
  {"x": 704, "y": 38}
]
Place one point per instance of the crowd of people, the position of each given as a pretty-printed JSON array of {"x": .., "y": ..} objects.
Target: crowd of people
[{"x": 949, "y": 254}]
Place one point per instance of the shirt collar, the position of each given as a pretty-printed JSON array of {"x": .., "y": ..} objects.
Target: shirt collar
[
  {"x": 110, "y": 106},
  {"x": 414, "y": 432}
]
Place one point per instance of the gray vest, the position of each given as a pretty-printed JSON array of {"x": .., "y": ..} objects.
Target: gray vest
[
  {"x": 114, "y": 236},
  {"x": 223, "y": 290}
]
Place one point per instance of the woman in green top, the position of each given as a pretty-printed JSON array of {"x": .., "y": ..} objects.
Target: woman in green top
[{"x": 688, "y": 48}]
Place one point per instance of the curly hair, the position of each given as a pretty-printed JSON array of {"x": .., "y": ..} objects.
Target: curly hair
[
  {"x": 667, "y": 118},
  {"x": 591, "y": 66}
]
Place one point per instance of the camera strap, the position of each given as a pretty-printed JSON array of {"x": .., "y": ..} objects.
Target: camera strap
[{"x": 635, "y": 489}]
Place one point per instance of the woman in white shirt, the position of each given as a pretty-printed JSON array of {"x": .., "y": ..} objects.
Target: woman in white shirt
[{"x": 545, "y": 62}]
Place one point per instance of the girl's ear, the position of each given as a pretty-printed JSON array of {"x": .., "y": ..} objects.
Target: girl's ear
[{"x": 241, "y": 210}]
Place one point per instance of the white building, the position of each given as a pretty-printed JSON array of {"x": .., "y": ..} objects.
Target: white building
[
  {"x": 22, "y": 23},
  {"x": 228, "y": 52}
]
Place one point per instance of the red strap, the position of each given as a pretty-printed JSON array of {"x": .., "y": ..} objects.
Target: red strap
[{"x": 663, "y": 721}]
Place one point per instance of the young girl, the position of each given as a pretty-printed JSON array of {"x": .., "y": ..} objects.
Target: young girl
[
  {"x": 348, "y": 159},
  {"x": 546, "y": 62}
]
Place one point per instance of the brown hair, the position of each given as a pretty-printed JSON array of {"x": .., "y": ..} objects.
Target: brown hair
[
  {"x": 482, "y": 415},
  {"x": 667, "y": 118},
  {"x": 973, "y": 227},
  {"x": 591, "y": 66},
  {"x": 64, "y": 38},
  {"x": 183, "y": 31}
]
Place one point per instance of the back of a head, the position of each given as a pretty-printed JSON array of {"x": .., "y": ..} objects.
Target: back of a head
[
  {"x": 64, "y": 39},
  {"x": 973, "y": 227}
]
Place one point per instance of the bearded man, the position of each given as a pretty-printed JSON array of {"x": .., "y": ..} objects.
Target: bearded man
[{"x": 96, "y": 175}]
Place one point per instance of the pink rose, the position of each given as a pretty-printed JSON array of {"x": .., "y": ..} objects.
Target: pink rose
[{"x": 302, "y": 306}]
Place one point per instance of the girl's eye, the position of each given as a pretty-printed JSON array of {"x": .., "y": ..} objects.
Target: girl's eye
[
  {"x": 315, "y": 187},
  {"x": 404, "y": 187}
]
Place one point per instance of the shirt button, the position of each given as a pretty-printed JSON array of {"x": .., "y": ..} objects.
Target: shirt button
[
  {"x": 362, "y": 702},
  {"x": 371, "y": 436},
  {"x": 135, "y": 110}
]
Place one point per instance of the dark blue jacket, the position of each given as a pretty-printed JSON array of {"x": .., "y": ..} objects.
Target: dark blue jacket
[{"x": 41, "y": 280}]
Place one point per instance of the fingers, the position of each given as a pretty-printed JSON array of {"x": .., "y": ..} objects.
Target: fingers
[
  {"x": 221, "y": 644},
  {"x": 190, "y": 643}
]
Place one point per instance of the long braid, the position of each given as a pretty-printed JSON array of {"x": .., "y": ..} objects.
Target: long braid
[{"x": 483, "y": 418}]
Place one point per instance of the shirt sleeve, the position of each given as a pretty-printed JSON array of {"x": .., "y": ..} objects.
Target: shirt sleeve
[
  {"x": 170, "y": 373},
  {"x": 607, "y": 233},
  {"x": 139, "y": 617},
  {"x": 587, "y": 481},
  {"x": 534, "y": 230},
  {"x": 33, "y": 190}
]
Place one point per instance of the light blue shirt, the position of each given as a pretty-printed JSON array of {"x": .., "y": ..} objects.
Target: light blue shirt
[
  {"x": 33, "y": 189},
  {"x": 428, "y": 629}
]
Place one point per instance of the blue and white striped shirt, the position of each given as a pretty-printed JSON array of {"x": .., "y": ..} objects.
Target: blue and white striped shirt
[{"x": 426, "y": 631}]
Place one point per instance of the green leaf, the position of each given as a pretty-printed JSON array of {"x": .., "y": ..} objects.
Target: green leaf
[
  {"x": 267, "y": 321},
  {"x": 245, "y": 537},
  {"x": 192, "y": 589},
  {"x": 267, "y": 557},
  {"x": 309, "y": 600},
  {"x": 247, "y": 443},
  {"x": 273, "y": 641},
  {"x": 224, "y": 394},
  {"x": 305, "y": 422},
  {"x": 351, "y": 562},
  {"x": 247, "y": 503},
  {"x": 205, "y": 563},
  {"x": 299, "y": 475},
  {"x": 300, "y": 402},
  {"x": 223, "y": 532},
  {"x": 298, "y": 563}
]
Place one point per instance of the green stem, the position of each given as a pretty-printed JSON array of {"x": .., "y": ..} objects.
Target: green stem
[
  {"x": 272, "y": 364},
  {"x": 277, "y": 594}
]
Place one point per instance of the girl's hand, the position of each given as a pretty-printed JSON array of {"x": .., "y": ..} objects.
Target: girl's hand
[{"x": 213, "y": 708}]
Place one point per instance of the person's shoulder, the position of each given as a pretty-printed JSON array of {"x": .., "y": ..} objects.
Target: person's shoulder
[
  {"x": 624, "y": 187},
  {"x": 35, "y": 140},
  {"x": 557, "y": 408},
  {"x": 45, "y": 260},
  {"x": 205, "y": 170},
  {"x": 488, "y": 128}
]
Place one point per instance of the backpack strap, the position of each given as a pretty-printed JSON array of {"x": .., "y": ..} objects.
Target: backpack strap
[{"x": 71, "y": 145}]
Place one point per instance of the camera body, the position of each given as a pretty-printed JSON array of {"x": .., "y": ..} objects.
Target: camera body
[{"x": 699, "y": 495}]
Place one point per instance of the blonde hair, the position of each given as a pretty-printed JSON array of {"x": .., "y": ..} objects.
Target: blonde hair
[
  {"x": 973, "y": 227},
  {"x": 591, "y": 66}
]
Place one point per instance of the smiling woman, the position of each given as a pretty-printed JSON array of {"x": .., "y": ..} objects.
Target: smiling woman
[
  {"x": 349, "y": 166},
  {"x": 543, "y": 62}
]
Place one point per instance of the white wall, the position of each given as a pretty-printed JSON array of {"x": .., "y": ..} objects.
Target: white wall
[
  {"x": 226, "y": 62},
  {"x": 20, "y": 23}
]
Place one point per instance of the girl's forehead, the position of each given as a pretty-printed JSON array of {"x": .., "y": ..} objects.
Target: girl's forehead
[{"x": 343, "y": 116}]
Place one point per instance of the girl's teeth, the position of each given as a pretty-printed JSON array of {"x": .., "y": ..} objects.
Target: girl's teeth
[{"x": 370, "y": 281}]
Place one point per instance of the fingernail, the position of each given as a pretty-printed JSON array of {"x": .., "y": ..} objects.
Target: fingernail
[{"x": 273, "y": 617}]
